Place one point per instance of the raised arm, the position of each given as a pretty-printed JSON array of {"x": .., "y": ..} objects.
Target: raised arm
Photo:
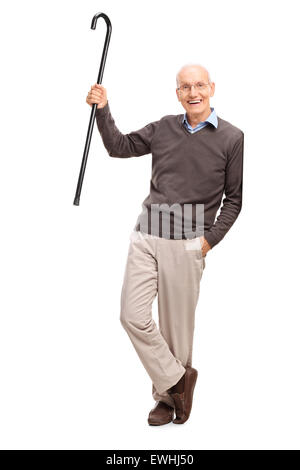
[
  {"x": 120, "y": 145},
  {"x": 134, "y": 144}
]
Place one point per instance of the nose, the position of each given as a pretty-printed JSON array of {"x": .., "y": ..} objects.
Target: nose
[{"x": 193, "y": 91}]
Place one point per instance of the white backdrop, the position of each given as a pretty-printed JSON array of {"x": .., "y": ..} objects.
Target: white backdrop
[{"x": 71, "y": 378}]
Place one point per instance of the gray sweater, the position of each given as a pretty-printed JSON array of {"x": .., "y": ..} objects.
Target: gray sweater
[{"x": 188, "y": 170}]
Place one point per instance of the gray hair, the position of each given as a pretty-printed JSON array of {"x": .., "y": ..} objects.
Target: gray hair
[{"x": 192, "y": 65}]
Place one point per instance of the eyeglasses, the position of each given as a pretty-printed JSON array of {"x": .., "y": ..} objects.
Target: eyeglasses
[{"x": 200, "y": 86}]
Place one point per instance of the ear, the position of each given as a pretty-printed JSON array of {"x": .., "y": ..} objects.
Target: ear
[
  {"x": 212, "y": 89},
  {"x": 177, "y": 93}
]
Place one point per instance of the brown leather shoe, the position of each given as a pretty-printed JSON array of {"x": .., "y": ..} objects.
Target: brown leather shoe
[
  {"x": 160, "y": 414},
  {"x": 182, "y": 394}
]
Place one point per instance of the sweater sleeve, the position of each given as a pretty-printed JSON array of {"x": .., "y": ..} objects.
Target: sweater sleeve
[
  {"x": 120, "y": 145},
  {"x": 232, "y": 202}
]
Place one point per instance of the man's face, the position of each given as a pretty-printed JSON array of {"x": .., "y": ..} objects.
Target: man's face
[{"x": 193, "y": 76}]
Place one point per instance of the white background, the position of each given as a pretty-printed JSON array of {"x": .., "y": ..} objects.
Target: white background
[{"x": 70, "y": 377}]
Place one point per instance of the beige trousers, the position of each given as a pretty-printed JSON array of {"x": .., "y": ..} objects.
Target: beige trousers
[{"x": 172, "y": 269}]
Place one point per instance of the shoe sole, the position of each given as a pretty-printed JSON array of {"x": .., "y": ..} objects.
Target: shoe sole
[{"x": 160, "y": 424}]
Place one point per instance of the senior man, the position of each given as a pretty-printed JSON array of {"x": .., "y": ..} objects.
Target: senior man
[{"x": 196, "y": 158}]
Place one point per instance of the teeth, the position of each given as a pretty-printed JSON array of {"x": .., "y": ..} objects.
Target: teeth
[{"x": 196, "y": 101}]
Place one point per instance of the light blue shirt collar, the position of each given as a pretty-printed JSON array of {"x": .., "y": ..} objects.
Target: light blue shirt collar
[{"x": 212, "y": 119}]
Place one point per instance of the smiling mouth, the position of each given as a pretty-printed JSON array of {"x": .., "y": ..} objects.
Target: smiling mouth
[{"x": 194, "y": 102}]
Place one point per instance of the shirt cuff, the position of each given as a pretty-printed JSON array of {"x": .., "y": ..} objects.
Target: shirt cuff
[
  {"x": 102, "y": 112},
  {"x": 210, "y": 239}
]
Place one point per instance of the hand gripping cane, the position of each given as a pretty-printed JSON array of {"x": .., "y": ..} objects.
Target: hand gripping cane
[{"x": 94, "y": 106}]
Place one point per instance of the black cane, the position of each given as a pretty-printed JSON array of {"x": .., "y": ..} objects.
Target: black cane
[{"x": 94, "y": 106}]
